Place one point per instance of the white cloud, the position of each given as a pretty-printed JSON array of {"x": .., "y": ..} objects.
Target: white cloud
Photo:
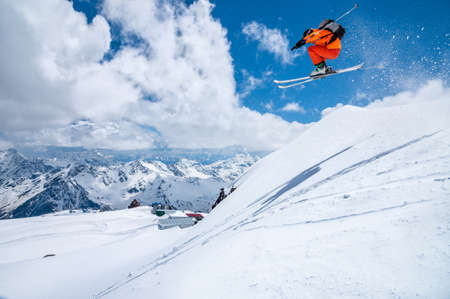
[
  {"x": 4, "y": 144},
  {"x": 51, "y": 77},
  {"x": 45, "y": 45},
  {"x": 250, "y": 83},
  {"x": 294, "y": 107},
  {"x": 121, "y": 135},
  {"x": 361, "y": 96},
  {"x": 433, "y": 90},
  {"x": 271, "y": 40},
  {"x": 269, "y": 106}
]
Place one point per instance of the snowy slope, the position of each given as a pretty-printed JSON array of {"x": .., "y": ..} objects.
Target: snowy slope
[
  {"x": 89, "y": 249},
  {"x": 357, "y": 206}
]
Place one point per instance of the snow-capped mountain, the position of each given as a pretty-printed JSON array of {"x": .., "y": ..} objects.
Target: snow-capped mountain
[
  {"x": 231, "y": 169},
  {"x": 31, "y": 187},
  {"x": 35, "y": 187},
  {"x": 14, "y": 166}
]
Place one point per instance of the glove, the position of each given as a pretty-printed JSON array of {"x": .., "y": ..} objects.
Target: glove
[
  {"x": 298, "y": 45},
  {"x": 307, "y": 32}
]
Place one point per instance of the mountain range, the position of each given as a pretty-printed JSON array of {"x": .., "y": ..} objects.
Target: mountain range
[{"x": 36, "y": 186}]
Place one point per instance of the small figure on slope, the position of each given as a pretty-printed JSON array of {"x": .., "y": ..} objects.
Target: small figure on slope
[
  {"x": 326, "y": 40},
  {"x": 221, "y": 197}
]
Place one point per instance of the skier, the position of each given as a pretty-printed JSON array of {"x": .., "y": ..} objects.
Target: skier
[
  {"x": 326, "y": 40},
  {"x": 221, "y": 197}
]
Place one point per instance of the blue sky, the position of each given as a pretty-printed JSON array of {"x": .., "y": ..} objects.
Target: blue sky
[
  {"x": 369, "y": 39},
  {"x": 165, "y": 73},
  {"x": 410, "y": 39}
]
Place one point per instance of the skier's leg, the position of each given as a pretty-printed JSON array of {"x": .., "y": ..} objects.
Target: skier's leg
[
  {"x": 315, "y": 57},
  {"x": 318, "y": 55},
  {"x": 321, "y": 53}
]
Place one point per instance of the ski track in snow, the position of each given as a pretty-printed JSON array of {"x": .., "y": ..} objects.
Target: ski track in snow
[
  {"x": 413, "y": 180},
  {"x": 316, "y": 168},
  {"x": 303, "y": 176},
  {"x": 164, "y": 259},
  {"x": 99, "y": 229},
  {"x": 405, "y": 204}
]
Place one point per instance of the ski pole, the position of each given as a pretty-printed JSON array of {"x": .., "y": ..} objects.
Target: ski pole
[
  {"x": 353, "y": 8},
  {"x": 349, "y": 11}
]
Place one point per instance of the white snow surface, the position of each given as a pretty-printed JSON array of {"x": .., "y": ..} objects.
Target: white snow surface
[{"x": 357, "y": 207}]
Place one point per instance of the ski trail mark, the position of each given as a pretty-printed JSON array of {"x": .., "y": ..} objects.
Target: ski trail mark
[
  {"x": 341, "y": 217},
  {"x": 371, "y": 187},
  {"x": 343, "y": 172},
  {"x": 164, "y": 259},
  {"x": 204, "y": 238},
  {"x": 300, "y": 178}
]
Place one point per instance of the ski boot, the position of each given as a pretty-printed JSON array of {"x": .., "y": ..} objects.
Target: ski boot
[{"x": 321, "y": 69}]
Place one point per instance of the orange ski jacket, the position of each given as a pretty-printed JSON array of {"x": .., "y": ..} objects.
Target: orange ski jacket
[{"x": 322, "y": 38}]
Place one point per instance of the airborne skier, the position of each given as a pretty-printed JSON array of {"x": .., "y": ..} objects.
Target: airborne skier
[{"x": 326, "y": 40}]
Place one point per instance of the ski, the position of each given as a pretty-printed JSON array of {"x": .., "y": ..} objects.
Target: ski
[
  {"x": 291, "y": 80},
  {"x": 310, "y": 79},
  {"x": 298, "y": 83}
]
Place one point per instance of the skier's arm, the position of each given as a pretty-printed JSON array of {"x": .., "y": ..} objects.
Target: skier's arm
[
  {"x": 312, "y": 36},
  {"x": 298, "y": 44},
  {"x": 302, "y": 41},
  {"x": 318, "y": 37}
]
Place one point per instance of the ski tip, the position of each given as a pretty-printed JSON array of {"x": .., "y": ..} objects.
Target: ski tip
[{"x": 276, "y": 81}]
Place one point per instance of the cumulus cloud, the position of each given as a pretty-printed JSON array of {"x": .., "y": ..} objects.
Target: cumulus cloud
[
  {"x": 433, "y": 90},
  {"x": 268, "y": 106},
  {"x": 250, "y": 84},
  {"x": 4, "y": 144},
  {"x": 176, "y": 85},
  {"x": 270, "y": 40},
  {"x": 45, "y": 44},
  {"x": 120, "y": 135},
  {"x": 294, "y": 107}
]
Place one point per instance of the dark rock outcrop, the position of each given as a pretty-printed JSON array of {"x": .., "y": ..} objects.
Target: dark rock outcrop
[
  {"x": 134, "y": 204},
  {"x": 58, "y": 194}
]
